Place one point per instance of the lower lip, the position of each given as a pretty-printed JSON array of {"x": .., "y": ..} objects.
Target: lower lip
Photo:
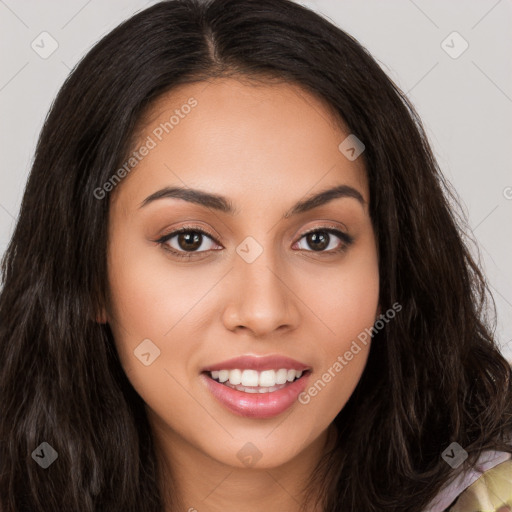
[{"x": 256, "y": 405}]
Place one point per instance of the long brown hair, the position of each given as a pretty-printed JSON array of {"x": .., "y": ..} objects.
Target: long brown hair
[{"x": 434, "y": 374}]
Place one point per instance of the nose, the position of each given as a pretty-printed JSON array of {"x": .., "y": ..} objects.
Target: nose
[{"x": 260, "y": 298}]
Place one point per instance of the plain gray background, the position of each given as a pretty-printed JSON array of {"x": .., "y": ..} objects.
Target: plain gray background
[{"x": 463, "y": 97}]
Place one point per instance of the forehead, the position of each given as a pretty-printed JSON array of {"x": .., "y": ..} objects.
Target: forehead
[{"x": 241, "y": 139}]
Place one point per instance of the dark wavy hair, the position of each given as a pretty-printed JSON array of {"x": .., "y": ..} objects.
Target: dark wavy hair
[{"x": 434, "y": 374}]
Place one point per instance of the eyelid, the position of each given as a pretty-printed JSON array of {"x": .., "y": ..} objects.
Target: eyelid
[
  {"x": 185, "y": 228},
  {"x": 323, "y": 227}
]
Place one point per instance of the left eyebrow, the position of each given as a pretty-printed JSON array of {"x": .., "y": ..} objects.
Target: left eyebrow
[
  {"x": 223, "y": 204},
  {"x": 324, "y": 197}
]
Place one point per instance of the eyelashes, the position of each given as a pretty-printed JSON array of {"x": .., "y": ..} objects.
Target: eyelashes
[{"x": 195, "y": 236}]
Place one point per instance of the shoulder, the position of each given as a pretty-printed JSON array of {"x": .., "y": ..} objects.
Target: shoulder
[
  {"x": 485, "y": 488},
  {"x": 491, "y": 492}
]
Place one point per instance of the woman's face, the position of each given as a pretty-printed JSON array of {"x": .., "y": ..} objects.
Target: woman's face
[{"x": 255, "y": 286}]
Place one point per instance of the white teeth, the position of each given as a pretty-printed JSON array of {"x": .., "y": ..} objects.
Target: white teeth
[
  {"x": 266, "y": 380},
  {"x": 281, "y": 376},
  {"x": 235, "y": 377},
  {"x": 249, "y": 378}
]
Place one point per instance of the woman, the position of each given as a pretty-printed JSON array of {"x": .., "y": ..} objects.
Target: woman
[{"x": 327, "y": 348}]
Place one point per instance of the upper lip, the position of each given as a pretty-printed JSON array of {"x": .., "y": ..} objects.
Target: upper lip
[{"x": 258, "y": 363}]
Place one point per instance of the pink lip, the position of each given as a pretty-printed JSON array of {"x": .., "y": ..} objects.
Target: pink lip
[
  {"x": 261, "y": 363},
  {"x": 256, "y": 405}
]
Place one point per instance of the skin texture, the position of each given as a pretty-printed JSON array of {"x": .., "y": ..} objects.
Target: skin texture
[{"x": 265, "y": 147}]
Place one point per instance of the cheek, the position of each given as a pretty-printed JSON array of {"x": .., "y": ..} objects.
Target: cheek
[
  {"x": 344, "y": 297},
  {"x": 155, "y": 299},
  {"x": 150, "y": 301},
  {"x": 347, "y": 310},
  {"x": 344, "y": 300},
  {"x": 150, "y": 292}
]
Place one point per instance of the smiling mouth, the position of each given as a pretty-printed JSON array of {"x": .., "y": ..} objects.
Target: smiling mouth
[
  {"x": 256, "y": 394},
  {"x": 252, "y": 381}
]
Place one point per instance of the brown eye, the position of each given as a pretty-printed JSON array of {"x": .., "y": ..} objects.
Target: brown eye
[
  {"x": 186, "y": 241},
  {"x": 321, "y": 239},
  {"x": 318, "y": 240},
  {"x": 189, "y": 241}
]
